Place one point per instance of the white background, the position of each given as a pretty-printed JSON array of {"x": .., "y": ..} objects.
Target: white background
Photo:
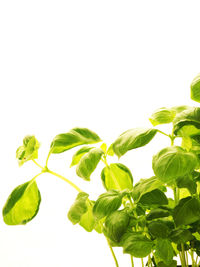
[{"x": 104, "y": 65}]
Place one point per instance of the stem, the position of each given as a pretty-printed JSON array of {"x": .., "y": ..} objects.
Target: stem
[
  {"x": 183, "y": 254},
  {"x": 65, "y": 179},
  {"x": 33, "y": 179},
  {"x": 48, "y": 158},
  {"x": 142, "y": 262},
  {"x": 176, "y": 195},
  {"x": 113, "y": 254},
  {"x": 37, "y": 164},
  {"x": 163, "y": 133},
  {"x": 132, "y": 263}
]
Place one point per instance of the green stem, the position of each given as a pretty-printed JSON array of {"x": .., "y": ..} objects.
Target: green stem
[
  {"x": 163, "y": 133},
  {"x": 65, "y": 179},
  {"x": 33, "y": 179},
  {"x": 37, "y": 164},
  {"x": 113, "y": 254},
  {"x": 142, "y": 262},
  {"x": 183, "y": 256},
  {"x": 48, "y": 158},
  {"x": 132, "y": 263}
]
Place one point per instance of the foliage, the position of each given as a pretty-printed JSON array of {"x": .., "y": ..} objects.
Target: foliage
[{"x": 138, "y": 217}]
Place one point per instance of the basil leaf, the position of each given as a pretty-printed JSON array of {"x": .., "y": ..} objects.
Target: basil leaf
[
  {"x": 75, "y": 137},
  {"x": 144, "y": 186},
  {"x": 171, "y": 264},
  {"x": 195, "y": 89},
  {"x": 158, "y": 229},
  {"x": 179, "y": 236},
  {"x": 132, "y": 139},
  {"x": 162, "y": 116},
  {"x": 187, "y": 211},
  {"x": 173, "y": 162},
  {"x": 28, "y": 151},
  {"x": 164, "y": 250},
  {"x": 137, "y": 245},
  {"x": 79, "y": 154},
  {"x": 157, "y": 213},
  {"x": 22, "y": 204},
  {"x": 88, "y": 163},
  {"x": 187, "y": 182},
  {"x": 87, "y": 220},
  {"x": 155, "y": 197},
  {"x": 107, "y": 203},
  {"x": 117, "y": 176},
  {"x": 189, "y": 117},
  {"x": 115, "y": 225},
  {"x": 78, "y": 208}
]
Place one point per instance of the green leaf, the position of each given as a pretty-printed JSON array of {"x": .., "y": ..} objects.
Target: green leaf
[
  {"x": 187, "y": 182},
  {"x": 179, "y": 236},
  {"x": 88, "y": 163},
  {"x": 187, "y": 211},
  {"x": 107, "y": 203},
  {"x": 157, "y": 213},
  {"x": 155, "y": 197},
  {"x": 115, "y": 225},
  {"x": 78, "y": 208},
  {"x": 75, "y": 137},
  {"x": 164, "y": 250},
  {"x": 162, "y": 264},
  {"x": 144, "y": 186},
  {"x": 22, "y": 204},
  {"x": 190, "y": 116},
  {"x": 173, "y": 162},
  {"x": 28, "y": 151},
  {"x": 137, "y": 245},
  {"x": 132, "y": 139},
  {"x": 179, "y": 109},
  {"x": 104, "y": 147},
  {"x": 117, "y": 176},
  {"x": 158, "y": 229},
  {"x": 195, "y": 89},
  {"x": 79, "y": 154},
  {"x": 87, "y": 220},
  {"x": 110, "y": 151},
  {"x": 162, "y": 116}
]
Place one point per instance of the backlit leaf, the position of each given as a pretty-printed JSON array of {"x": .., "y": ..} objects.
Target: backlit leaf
[
  {"x": 195, "y": 89},
  {"x": 162, "y": 116},
  {"x": 79, "y": 154}
]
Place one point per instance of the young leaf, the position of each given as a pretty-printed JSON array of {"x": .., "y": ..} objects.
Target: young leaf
[
  {"x": 190, "y": 116},
  {"x": 155, "y": 197},
  {"x": 88, "y": 163},
  {"x": 137, "y": 245},
  {"x": 187, "y": 211},
  {"x": 162, "y": 116},
  {"x": 195, "y": 89},
  {"x": 173, "y": 162},
  {"x": 107, "y": 203},
  {"x": 75, "y": 137},
  {"x": 79, "y": 154},
  {"x": 144, "y": 186},
  {"x": 22, "y": 204},
  {"x": 117, "y": 176},
  {"x": 87, "y": 220},
  {"x": 132, "y": 139},
  {"x": 28, "y": 151},
  {"x": 115, "y": 225},
  {"x": 164, "y": 250},
  {"x": 158, "y": 229},
  {"x": 78, "y": 208}
]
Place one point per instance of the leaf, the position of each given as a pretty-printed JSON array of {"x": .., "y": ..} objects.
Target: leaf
[
  {"x": 117, "y": 176},
  {"x": 115, "y": 225},
  {"x": 132, "y": 139},
  {"x": 28, "y": 151},
  {"x": 79, "y": 154},
  {"x": 78, "y": 208},
  {"x": 162, "y": 116},
  {"x": 75, "y": 137},
  {"x": 187, "y": 211},
  {"x": 158, "y": 229},
  {"x": 22, "y": 204},
  {"x": 88, "y": 163},
  {"x": 190, "y": 116},
  {"x": 110, "y": 151},
  {"x": 157, "y": 213},
  {"x": 107, "y": 203},
  {"x": 173, "y": 162},
  {"x": 137, "y": 245},
  {"x": 179, "y": 236},
  {"x": 144, "y": 186},
  {"x": 87, "y": 220},
  {"x": 195, "y": 89},
  {"x": 162, "y": 264},
  {"x": 104, "y": 147},
  {"x": 164, "y": 250},
  {"x": 187, "y": 182},
  {"x": 155, "y": 197}
]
